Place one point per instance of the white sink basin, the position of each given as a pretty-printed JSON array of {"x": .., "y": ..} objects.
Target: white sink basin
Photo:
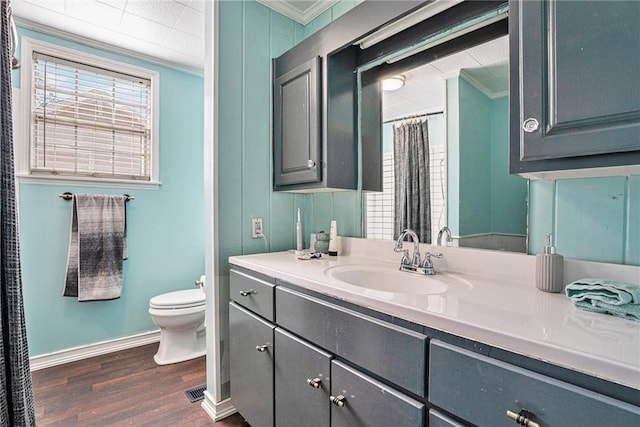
[{"x": 384, "y": 278}]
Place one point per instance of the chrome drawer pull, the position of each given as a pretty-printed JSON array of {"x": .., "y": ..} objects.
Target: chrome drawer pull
[
  {"x": 262, "y": 348},
  {"x": 247, "y": 293},
  {"x": 524, "y": 418},
  {"x": 337, "y": 400},
  {"x": 315, "y": 383}
]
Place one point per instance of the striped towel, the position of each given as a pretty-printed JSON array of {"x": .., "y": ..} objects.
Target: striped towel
[{"x": 97, "y": 247}]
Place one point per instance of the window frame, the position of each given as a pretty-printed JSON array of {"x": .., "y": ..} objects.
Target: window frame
[{"x": 24, "y": 114}]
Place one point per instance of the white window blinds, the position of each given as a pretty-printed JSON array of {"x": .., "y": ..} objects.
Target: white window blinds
[{"x": 89, "y": 121}]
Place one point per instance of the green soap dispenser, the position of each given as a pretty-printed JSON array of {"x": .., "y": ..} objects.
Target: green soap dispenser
[{"x": 549, "y": 269}]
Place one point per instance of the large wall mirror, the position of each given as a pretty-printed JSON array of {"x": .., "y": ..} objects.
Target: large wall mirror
[{"x": 444, "y": 140}]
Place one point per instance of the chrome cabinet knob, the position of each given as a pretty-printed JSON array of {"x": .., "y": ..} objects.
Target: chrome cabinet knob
[
  {"x": 530, "y": 125},
  {"x": 262, "y": 348},
  {"x": 247, "y": 293},
  {"x": 311, "y": 163},
  {"x": 524, "y": 418},
  {"x": 338, "y": 400},
  {"x": 315, "y": 383}
]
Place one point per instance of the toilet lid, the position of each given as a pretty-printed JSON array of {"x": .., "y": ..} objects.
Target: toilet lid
[{"x": 179, "y": 299}]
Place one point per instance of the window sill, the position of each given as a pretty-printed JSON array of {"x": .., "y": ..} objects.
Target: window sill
[{"x": 86, "y": 182}]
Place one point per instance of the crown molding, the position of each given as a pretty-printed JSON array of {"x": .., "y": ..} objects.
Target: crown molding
[{"x": 285, "y": 8}]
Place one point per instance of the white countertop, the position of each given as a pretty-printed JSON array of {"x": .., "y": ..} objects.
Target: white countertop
[{"x": 504, "y": 310}]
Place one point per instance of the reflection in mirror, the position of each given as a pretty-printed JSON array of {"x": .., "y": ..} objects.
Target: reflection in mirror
[{"x": 460, "y": 104}]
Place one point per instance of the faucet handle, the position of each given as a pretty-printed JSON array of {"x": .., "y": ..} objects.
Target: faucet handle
[{"x": 427, "y": 259}]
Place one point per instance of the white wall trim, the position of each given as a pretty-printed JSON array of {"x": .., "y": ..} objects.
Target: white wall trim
[
  {"x": 74, "y": 354},
  {"x": 481, "y": 87},
  {"x": 315, "y": 9},
  {"x": 219, "y": 410}
]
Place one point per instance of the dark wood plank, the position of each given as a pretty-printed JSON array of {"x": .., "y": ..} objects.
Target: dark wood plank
[{"x": 124, "y": 388}]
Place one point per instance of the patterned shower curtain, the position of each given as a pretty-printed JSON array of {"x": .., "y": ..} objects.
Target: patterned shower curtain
[
  {"x": 412, "y": 193},
  {"x": 16, "y": 398}
]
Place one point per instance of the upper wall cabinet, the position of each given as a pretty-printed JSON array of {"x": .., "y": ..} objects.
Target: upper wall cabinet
[
  {"x": 315, "y": 136},
  {"x": 575, "y": 84},
  {"x": 296, "y": 126}
]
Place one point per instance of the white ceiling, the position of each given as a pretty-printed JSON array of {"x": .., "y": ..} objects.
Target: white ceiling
[
  {"x": 485, "y": 66},
  {"x": 171, "y": 31}
]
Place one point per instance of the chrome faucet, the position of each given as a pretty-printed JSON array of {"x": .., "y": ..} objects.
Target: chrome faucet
[
  {"x": 444, "y": 230},
  {"x": 414, "y": 265}
]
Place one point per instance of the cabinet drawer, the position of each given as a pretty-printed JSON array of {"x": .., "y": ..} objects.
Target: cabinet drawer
[
  {"x": 438, "y": 419},
  {"x": 481, "y": 390},
  {"x": 251, "y": 370},
  {"x": 253, "y": 293},
  {"x": 299, "y": 402},
  {"x": 395, "y": 353},
  {"x": 367, "y": 402}
]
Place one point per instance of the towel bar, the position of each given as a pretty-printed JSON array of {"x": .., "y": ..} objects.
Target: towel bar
[{"x": 69, "y": 196}]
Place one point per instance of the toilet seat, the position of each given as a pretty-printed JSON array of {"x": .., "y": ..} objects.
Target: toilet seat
[{"x": 178, "y": 299}]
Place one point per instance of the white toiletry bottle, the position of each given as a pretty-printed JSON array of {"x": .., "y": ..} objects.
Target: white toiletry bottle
[
  {"x": 333, "y": 239},
  {"x": 298, "y": 234},
  {"x": 549, "y": 269}
]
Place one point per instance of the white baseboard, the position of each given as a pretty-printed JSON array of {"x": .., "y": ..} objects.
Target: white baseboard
[
  {"x": 86, "y": 351},
  {"x": 217, "y": 410}
]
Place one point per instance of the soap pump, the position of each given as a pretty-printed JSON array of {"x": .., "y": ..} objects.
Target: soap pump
[{"x": 549, "y": 269}]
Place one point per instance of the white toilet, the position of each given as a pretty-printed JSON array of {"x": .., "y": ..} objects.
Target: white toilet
[{"x": 180, "y": 317}]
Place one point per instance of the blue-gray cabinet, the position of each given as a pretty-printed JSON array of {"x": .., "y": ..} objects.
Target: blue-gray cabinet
[
  {"x": 480, "y": 390},
  {"x": 310, "y": 362},
  {"x": 297, "y": 142},
  {"x": 251, "y": 351},
  {"x": 317, "y": 362},
  {"x": 575, "y": 91},
  {"x": 302, "y": 382},
  {"x": 360, "y": 400}
]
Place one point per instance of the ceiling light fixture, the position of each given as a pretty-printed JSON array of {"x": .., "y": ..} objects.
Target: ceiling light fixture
[{"x": 392, "y": 83}]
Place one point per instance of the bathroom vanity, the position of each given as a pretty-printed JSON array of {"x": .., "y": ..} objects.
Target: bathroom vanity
[{"x": 313, "y": 345}]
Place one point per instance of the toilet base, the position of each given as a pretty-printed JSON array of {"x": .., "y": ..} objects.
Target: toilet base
[{"x": 178, "y": 346}]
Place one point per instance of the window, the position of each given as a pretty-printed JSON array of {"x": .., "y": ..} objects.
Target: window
[{"x": 89, "y": 118}]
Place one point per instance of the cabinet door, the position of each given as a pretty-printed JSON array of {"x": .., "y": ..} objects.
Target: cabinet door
[
  {"x": 575, "y": 82},
  {"x": 302, "y": 375},
  {"x": 296, "y": 122},
  {"x": 359, "y": 400},
  {"x": 251, "y": 356}
]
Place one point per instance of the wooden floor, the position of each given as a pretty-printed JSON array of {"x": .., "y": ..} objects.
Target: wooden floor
[{"x": 125, "y": 388}]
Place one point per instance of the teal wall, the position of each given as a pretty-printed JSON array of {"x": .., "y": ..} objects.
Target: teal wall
[
  {"x": 165, "y": 229},
  {"x": 250, "y": 35},
  {"x": 508, "y": 192},
  {"x": 474, "y": 169},
  {"x": 595, "y": 219},
  {"x": 483, "y": 197}
]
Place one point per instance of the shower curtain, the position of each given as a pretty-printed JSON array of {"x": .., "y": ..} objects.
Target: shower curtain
[
  {"x": 412, "y": 193},
  {"x": 16, "y": 396}
]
